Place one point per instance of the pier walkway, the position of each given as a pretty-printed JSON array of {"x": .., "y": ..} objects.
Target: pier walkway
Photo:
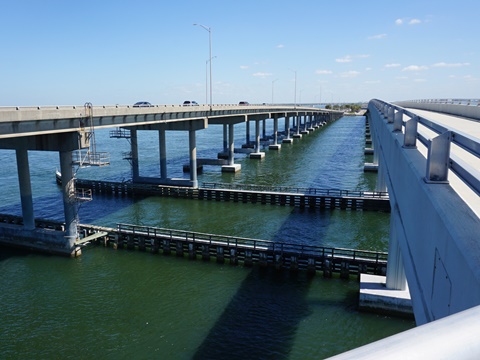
[
  {"x": 222, "y": 248},
  {"x": 311, "y": 198}
]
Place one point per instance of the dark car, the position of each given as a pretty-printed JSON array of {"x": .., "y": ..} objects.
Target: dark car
[
  {"x": 190, "y": 103},
  {"x": 243, "y": 103},
  {"x": 142, "y": 104}
]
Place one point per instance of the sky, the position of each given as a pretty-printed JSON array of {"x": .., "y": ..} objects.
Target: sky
[{"x": 305, "y": 51}]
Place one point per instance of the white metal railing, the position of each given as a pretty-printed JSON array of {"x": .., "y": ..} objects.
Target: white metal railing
[
  {"x": 468, "y": 102},
  {"x": 439, "y": 159}
]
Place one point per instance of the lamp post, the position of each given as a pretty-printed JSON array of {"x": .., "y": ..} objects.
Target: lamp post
[
  {"x": 210, "y": 57},
  {"x": 273, "y": 82},
  {"x": 295, "y": 95},
  {"x": 206, "y": 79}
]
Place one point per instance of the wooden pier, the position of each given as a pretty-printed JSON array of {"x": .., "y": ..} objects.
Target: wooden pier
[
  {"x": 310, "y": 198},
  {"x": 225, "y": 249}
]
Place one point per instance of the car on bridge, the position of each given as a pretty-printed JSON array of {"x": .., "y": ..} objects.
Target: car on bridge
[
  {"x": 243, "y": 103},
  {"x": 190, "y": 103},
  {"x": 142, "y": 104}
]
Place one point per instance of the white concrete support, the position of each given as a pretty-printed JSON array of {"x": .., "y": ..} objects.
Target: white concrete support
[
  {"x": 231, "y": 167},
  {"x": 193, "y": 157},
  {"x": 297, "y": 128},
  {"x": 287, "y": 139},
  {"x": 23, "y": 170},
  {"x": 381, "y": 184},
  {"x": 231, "y": 144},
  {"x": 396, "y": 279},
  {"x": 225, "y": 138},
  {"x": 163, "y": 153},
  {"x": 68, "y": 191},
  {"x": 257, "y": 154},
  {"x": 134, "y": 150},
  {"x": 257, "y": 136},
  {"x": 275, "y": 145}
]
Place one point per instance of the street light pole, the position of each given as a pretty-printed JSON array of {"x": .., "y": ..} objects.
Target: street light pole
[
  {"x": 210, "y": 50},
  {"x": 206, "y": 79},
  {"x": 295, "y": 96}
]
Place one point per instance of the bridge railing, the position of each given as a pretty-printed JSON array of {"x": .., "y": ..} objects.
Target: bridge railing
[
  {"x": 468, "y": 102},
  {"x": 439, "y": 158},
  {"x": 295, "y": 190},
  {"x": 253, "y": 244}
]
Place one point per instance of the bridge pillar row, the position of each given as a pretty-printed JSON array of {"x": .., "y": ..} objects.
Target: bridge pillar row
[{"x": 297, "y": 127}]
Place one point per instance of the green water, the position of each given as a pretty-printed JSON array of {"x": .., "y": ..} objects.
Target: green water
[{"x": 119, "y": 304}]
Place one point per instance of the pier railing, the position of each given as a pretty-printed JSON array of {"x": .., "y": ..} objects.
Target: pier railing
[
  {"x": 254, "y": 244},
  {"x": 296, "y": 190}
]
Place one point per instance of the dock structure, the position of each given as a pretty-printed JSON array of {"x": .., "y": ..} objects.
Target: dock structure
[
  {"x": 311, "y": 198},
  {"x": 225, "y": 249}
]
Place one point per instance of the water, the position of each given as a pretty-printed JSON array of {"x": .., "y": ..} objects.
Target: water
[{"x": 127, "y": 304}]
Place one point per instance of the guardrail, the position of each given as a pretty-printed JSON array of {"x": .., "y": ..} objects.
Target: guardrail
[
  {"x": 439, "y": 159},
  {"x": 468, "y": 102},
  {"x": 296, "y": 190}
]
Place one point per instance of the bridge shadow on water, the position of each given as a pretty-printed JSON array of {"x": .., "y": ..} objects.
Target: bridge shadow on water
[{"x": 261, "y": 320}]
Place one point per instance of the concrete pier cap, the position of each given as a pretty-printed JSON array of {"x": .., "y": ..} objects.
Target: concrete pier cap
[{"x": 40, "y": 240}]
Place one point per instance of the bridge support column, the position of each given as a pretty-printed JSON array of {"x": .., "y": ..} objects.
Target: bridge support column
[
  {"x": 287, "y": 140},
  {"x": 163, "y": 153},
  {"x": 275, "y": 145},
  {"x": 225, "y": 138},
  {"x": 231, "y": 167},
  {"x": 247, "y": 134},
  {"x": 193, "y": 157},
  {"x": 257, "y": 154},
  {"x": 390, "y": 293},
  {"x": 134, "y": 149},
  {"x": 297, "y": 127},
  {"x": 25, "y": 189},
  {"x": 396, "y": 279},
  {"x": 68, "y": 190}
]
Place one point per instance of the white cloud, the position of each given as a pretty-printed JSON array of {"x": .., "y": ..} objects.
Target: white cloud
[
  {"x": 392, "y": 65},
  {"x": 377, "y": 37},
  {"x": 443, "y": 64},
  {"x": 345, "y": 59},
  {"x": 349, "y": 74},
  {"x": 261, "y": 74},
  {"x": 415, "y": 68},
  {"x": 280, "y": 46},
  {"x": 323, "y": 72},
  {"x": 349, "y": 58},
  {"x": 399, "y": 22},
  {"x": 414, "y": 22},
  {"x": 243, "y": 67},
  {"x": 372, "y": 82},
  {"x": 420, "y": 80}
]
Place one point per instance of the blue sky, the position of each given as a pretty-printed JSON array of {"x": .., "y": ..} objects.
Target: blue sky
[{"x": 119, "y": 52}]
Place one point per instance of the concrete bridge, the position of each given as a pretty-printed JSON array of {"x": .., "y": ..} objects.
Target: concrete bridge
[
  {"x": 428, "y": 158},
  {"x": 70, "y": 131}
]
